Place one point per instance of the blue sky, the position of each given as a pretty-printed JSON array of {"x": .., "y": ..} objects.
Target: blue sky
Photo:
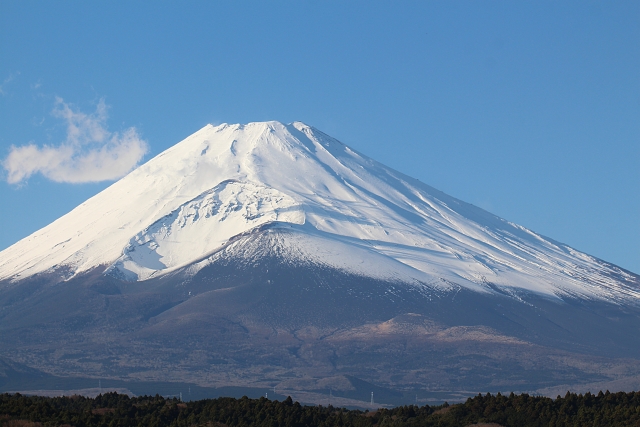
[{"x": 530, "y": 110}]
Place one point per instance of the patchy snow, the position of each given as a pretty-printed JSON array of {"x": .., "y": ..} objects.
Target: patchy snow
[
  {"x": 350, "y": 212},
  {"x": 203, "y": 224}
]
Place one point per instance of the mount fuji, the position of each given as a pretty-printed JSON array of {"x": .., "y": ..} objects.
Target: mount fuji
[{"x": 272, "y": 255}]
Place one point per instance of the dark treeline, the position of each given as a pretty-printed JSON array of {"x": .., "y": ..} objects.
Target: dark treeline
[{"x": 112, "y": 409}]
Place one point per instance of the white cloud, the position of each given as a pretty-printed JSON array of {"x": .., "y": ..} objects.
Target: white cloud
[
  {"x": 7, "y": 81},
  {"x": 90, "y": 153}
]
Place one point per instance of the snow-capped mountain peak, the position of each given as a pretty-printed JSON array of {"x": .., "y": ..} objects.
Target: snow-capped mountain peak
[{"x": 343, "y": 209}]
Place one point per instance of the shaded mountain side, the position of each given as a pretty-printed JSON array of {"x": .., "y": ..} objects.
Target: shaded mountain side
[
  {"x": 12, "y": 373},
  {"x": 256, "y": 316},
  {"x": 257, "y": 278}
]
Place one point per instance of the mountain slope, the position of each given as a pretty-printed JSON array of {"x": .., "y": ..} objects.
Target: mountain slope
[
  {"x": 270, "y": 255},
  {"x": 223, "y": 181}
]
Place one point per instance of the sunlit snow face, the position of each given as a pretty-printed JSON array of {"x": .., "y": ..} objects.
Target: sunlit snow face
[
  {"x": 225, "y": 181},
  {"x": 205, "y": 223}
]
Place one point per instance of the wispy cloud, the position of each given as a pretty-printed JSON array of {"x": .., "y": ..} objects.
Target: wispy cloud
[
  {"x": 90, "y": 152},
  {"x": 6, "y": 81}
]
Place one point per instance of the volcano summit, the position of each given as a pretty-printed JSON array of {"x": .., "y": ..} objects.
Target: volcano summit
[{"x": 270, "y": 255}]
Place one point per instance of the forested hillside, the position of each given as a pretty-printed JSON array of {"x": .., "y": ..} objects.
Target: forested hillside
[{"x": 111, "y": 409}]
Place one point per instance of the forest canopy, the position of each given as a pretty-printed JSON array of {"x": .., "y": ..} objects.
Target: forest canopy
[{"x": 112, "y": 409}]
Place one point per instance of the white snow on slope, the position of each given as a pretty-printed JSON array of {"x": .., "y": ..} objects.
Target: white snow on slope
[
  {"x": 206, "y": 222},
  {"x": 184, "y": 204}
]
